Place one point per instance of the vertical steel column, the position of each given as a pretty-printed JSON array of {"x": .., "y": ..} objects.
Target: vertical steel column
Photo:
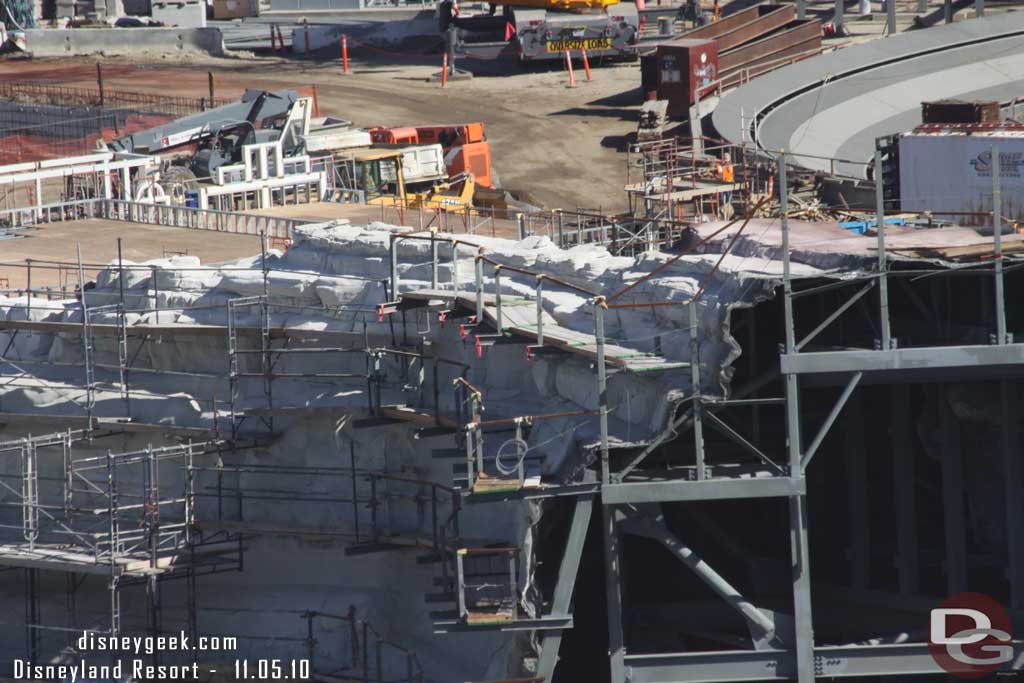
[
  {"x": 953, "y": 498},
  {"x": 800, "y": 560},
  {"x": 479, "y": 264},
  {"x": 497, "y": 297},
  {"x": 394, "y": 267},
  {"x": 890, "y": 21},
  {"x": 997, "y": 238},
  {"x": 561, "y": 601},
  {"x": 433, "y": 259},
  {"x": 32, "y": 614},
  {"x": 698, "y": 415},
  {"x": 979, "y": 8},
  {"x": 1012, "y": 471},
  {"x": 540, "y": 308},
  {"x": 947, "y": 11},
  {"x": 613, "y": 591},
  {"x": 602, "y": 386},
  {"x": 90, "y": 397},
  {"x": 907, "y": 561},
  {"x": 801, "y": 9},
  {"x": 856, "y": 494},
  {"x": 837, "y": 18},
  {"x": 455, "y": 265},
  {"x": 883, "y": 265}
]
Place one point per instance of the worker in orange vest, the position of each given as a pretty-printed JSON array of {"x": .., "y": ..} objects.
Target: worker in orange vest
[{"x": 726, "y": 174}]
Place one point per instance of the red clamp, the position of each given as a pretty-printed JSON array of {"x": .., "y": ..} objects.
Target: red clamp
[
  {"x": 380, "y": 313},
  {"x": 479, "y": 349},
  {"x": 441, "y": 317},
  {"x": 529, "y": 354}
]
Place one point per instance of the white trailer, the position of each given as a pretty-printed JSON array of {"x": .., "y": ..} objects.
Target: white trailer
[{"x": 950, "y": 170}]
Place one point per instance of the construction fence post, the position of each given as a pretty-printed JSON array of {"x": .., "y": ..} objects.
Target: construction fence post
[{"x": 305, "y": 37}]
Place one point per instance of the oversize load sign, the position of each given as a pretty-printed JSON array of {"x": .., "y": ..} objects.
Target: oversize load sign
[{"x": 579, "y": 44}]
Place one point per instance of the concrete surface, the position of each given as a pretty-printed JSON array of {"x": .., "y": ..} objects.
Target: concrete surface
[
  {"x": 56, "y": 242},
  {"x": 51, "y": 42}
]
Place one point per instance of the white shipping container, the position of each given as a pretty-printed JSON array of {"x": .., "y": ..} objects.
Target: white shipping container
[
  {"x": 953, "y": 172},
  {"x": 423, "y": 163}
]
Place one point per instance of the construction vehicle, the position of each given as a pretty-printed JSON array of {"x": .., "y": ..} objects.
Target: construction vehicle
[
  {"x": 453, "y": 194},
  {"x": 386, "y": 175},
  {"x": 545, "y": 29},
  {"x": 465, "y": 146},
  {"x": 210, "y": 146}
]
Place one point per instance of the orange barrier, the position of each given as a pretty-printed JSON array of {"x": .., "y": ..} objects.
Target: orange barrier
[
  {"x": 586, "y": 65},
  {"x": 444, "y": 70},
  {"x": 344, "y": 53},
  {"x": 568, "y": 63}
]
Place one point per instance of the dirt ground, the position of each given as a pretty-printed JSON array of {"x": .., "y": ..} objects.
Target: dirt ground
[{"x": 557, "y": 145}]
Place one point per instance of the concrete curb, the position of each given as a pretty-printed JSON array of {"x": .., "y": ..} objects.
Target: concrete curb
[{"x": 123, "y": 41}]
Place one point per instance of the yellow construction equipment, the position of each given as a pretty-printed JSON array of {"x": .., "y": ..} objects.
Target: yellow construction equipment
[{"x": 446, "y": 195}]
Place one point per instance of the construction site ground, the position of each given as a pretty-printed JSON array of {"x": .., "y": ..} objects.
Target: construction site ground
[
  {"x": 551, "y": 144},
  {"x": 98, "y": 238},
  {"x": 555, "y": 146}
]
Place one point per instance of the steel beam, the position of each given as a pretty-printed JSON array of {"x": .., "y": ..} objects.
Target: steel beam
[
  {"x": 904, "y": 485},
  {"x": 695, "y": 388},
  {"x": 613, "y": 591},
  {"x": 883, "y": 264},
  {"x": 800, "y": 558},
  {"x": 924, "y": 360},
  {"x": 997, "y": 241},
  {"x": 953, "y": 499},
  {"x": 1012, "y": 478},
  {"x": 830, "y": 420},
  {"x": 567, "y": 571},
  {"x": 762, "y": 626},
  {"x": 772, "y": 665},
  {"x": 709, "y": 489},
  {"x": 856, "y": 495}
]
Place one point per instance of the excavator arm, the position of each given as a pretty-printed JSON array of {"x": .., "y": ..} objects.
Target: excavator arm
[{"x": 254, "y": 107}]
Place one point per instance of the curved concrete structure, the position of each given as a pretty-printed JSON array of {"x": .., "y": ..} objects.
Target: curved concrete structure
[{"x": 835, "y": 105}]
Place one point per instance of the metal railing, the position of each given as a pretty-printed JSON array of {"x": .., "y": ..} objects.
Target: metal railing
[
  {"x": 403, "y": 666},
  {"x": 275, "y": 227}
]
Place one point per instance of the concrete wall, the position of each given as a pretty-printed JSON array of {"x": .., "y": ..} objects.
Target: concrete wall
[
  {"x": 289, "y": 5},
  {"x": 86, "y": 41}
]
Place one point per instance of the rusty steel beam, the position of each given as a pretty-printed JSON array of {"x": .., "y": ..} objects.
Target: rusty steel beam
[
  {"x": 796, "y": 37},
  {"x": 757, "y": 21}
]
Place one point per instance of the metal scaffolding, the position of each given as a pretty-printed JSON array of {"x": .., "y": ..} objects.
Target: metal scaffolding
[{"x": 636, "y": 485}]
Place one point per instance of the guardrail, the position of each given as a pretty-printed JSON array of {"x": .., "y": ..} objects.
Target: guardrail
[
  {"x": 200, "y": 219},
  {"x": 275, "y": 227}
]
